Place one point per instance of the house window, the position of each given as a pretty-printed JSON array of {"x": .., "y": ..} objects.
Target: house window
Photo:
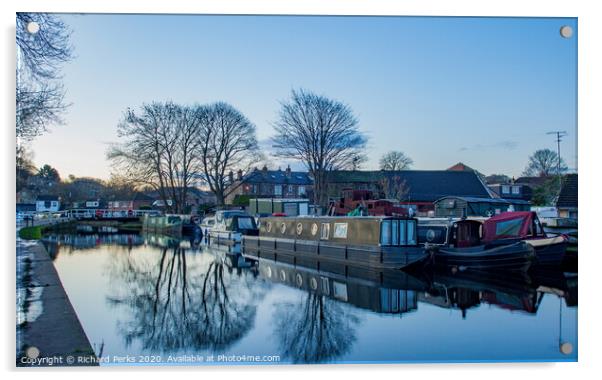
[
  {"x": 290, "y": 189},
  {"x": 301, "y": 190},
  {"x": 277, "y": 189},
  {"x": 515, "y": 190},
  {"x": 54, "y": 204},
  {"x": 505, "y": 189}
]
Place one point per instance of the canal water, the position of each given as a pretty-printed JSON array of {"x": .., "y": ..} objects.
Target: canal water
[{"x": 157, "y": 300}]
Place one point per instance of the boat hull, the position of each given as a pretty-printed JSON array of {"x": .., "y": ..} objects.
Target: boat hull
[
  {"x": 512, "y": 257},
  {"x": 290, "y": 250},
  {"x": 550, "y": 251}
]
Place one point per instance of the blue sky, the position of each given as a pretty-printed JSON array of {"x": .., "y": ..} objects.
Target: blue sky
[{"x": 483, "y": 91}]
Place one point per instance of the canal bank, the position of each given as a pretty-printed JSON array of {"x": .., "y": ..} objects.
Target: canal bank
[{"x": 49, "y": 332}]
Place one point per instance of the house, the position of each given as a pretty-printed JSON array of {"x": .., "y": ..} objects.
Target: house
[
  {"x": 139, "y": 200},
  {"x": 568, "y": 198},
  {"x": 92, "y": 204},
  {"x": 266, "y": 183},
  {"x": 511, "y": 190},
  {"x": 532, "y": 182},
  {"x": 416, "y": 189},
  {"x": 26, "y": 207},
  {"x": 195, "y": 197},
  {"x": 47, "y": 203}
]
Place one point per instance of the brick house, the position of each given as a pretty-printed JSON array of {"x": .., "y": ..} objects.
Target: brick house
[
  {"x": 264, "y": 183},
  {"x": 138, "y": 200}
]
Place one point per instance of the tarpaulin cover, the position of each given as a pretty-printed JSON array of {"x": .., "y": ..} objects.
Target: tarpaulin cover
[{"x": 508, "y": 225}]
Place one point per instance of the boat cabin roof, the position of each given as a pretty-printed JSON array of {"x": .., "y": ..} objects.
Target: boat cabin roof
[{"x": 515, "y": 224}]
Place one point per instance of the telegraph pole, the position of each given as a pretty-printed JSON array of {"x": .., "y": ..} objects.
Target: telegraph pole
[{"x": 559, "y": 136}]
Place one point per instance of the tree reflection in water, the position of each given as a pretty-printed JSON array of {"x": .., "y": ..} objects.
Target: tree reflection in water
[
  {"x": 315, "y": 330},
  {"x": 181, "y": 301}
]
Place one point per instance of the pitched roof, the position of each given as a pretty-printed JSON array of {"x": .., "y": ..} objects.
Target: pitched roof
[
  {"x": 489, "y": 200},
  {"x": 141, "y": 197},
  {"x": 277, "y": 177},
  {"x": 569, "y": 193},
  {"x": 532, "y": 181},
  {"x": 47, "y": 198},
  {"x": 423, "y": 185},
  {"x": 460, "y": 166}
]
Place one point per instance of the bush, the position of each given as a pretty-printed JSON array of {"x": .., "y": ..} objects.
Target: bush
[
  {"x": 31, "y": 233},
  {"x": 241, "y": 200}
]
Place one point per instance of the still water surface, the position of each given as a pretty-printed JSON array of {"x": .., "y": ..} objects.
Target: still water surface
[{"x": 147, "y": 295}]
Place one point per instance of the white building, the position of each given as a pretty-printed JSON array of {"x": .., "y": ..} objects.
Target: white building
[{"x": 47, "y": 203}]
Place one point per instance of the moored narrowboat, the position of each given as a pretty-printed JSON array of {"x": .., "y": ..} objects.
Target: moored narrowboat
[
  {"x": 510, "y": 227},
  {"x": 460, "y": 244},
  {"x": 377, "y": 242},
  {"x": 228, "y": 226}
]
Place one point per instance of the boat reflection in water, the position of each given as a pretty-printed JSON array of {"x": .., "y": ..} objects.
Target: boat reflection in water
[
  {"x": 379, "y": 292},
  {"x": 156, "y": 295}
]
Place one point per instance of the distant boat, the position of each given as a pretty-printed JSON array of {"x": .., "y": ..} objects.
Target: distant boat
[{"x": 228, "y": 226}]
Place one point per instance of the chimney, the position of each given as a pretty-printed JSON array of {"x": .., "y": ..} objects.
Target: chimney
[
  {"x": 288, "y": 171},
  {"x": 265, "y": 168},
  {"x": 239, "y": 175},
  {"x": 231, "y": 176}
]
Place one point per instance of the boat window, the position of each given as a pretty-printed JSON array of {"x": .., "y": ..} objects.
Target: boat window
[
  {"x": 395, "y": 232},
  {"x": 411, "y": 232},
  {"x": 340, "y": 230},
  {"x": 508, "y": 227},
  {"x": 385, "y": 232},
  {"x": 325, "y": 231},
  {"x": 245, "y": 223},
  {"x": 402, "y": 232}
]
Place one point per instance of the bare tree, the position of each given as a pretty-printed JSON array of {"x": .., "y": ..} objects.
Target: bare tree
[
  {"x": 39, "y": 92},
  {"x": 159, "y": 150},
  {"x": 395, "y": 160},
  {"x": 358, "y": 161},
  {"x": 227, "y": 142},
  {"x": 320, "y": 132},
  {"x": 394, "y": 187},
  {"x": 543, "y": 163},
  {"x": 25, "y": 167}
]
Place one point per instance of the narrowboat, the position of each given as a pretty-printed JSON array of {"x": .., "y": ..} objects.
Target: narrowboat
[
  {"x": 228, "y": 227},
  {"x": 375, "y": 242},
  {"x": 459, "y": 244},
  {"x": 510, "y": 227}
]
